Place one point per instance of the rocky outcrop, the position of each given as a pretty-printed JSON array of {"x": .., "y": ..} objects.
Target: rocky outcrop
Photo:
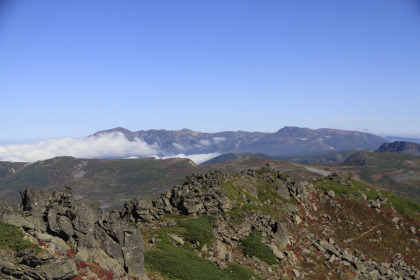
[
  {"x": 231, "y": 233},
  {"x": 211, "y": 194},
  {"x": 341, "y": 177},
  {"x": 205, "y": 194},
  {"x": 92, "y": 235},
  {"x": 403, "y": 147},
  {"x": 200, "y": 194}
]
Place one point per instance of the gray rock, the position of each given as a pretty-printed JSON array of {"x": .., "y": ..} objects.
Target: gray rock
[
  {"x": 279, "y": 255},
  {"x": 331, "y": 193},
  {"x": 72, "y": 220},
  {"x": 342, "y": 177},
  {"x": 62, "y": 269},
  {"x": 414, "y": 241},
  {"x": 177, "y": 239}
]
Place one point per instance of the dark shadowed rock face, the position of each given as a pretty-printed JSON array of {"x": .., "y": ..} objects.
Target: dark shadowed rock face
[{"x": 403, "y": 147}]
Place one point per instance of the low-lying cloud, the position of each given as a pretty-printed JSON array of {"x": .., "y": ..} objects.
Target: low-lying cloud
[
  {"x": 197, "y": 158},
  {"x": 114, "y": 145},
  {"x": 217, "y": 140},
  {"x": 203, "y": 143}
]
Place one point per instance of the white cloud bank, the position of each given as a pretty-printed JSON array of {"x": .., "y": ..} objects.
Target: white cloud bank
[
  {"x": 113, "y": 145},
  {"x": 197, "y": 158}
]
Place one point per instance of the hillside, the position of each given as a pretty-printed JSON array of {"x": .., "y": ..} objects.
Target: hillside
[
  {"x": 255, "y": 224},
  {"x": 233, "y": 156},
  {"x": 108, "y": 181},
  {"x": 396, "y": 172},
  {"x": 288, "y": 141},
  {"x": 331, "y": 157},
  {"x": 9, "y": 168},
  {"x": 261, "y": 224}
]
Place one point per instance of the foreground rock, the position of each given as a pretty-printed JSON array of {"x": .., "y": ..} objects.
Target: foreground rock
[{"x": 66, "y": 226}]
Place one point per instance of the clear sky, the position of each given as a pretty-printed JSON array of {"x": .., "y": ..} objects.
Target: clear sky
[{"x": 70, "y": 68}]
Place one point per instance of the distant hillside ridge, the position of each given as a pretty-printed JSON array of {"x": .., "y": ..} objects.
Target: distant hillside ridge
[
  {"x": 393, "y": 171},
  {"x": 111, "y": 181},
  {"x": 232, "y": 156},
  {"x": 288, "y": 141},
  {"x": 403, "y": 147}
]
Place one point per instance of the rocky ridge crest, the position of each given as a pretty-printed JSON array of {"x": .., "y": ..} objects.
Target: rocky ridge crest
[{"x": 403, "y": 147}]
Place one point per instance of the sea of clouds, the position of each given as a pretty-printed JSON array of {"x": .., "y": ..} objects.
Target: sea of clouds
[{"x": 114, "y": 145}]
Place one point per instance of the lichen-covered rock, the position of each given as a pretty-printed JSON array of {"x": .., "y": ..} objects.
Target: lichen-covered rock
[
  {"x": 341, "y": 177},
  {"x": 30, "y": 266},
  {"x": 62, "y": 269}
]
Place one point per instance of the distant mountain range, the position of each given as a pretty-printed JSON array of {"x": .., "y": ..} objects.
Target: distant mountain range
[
  {"x": 288, "y": 141},
  {"x": 405, "y": 139}
]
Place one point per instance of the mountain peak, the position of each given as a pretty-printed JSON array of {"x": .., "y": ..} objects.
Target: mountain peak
[
  {"x": 294, "y": 131},
  {"x": 113, "y": 130}
]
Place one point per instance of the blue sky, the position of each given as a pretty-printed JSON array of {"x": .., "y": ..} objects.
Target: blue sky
[{"x": 71, "y": 68}]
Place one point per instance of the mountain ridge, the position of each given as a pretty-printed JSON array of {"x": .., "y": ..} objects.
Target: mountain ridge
[
  {"x": 409, "y": 148},
  {"x": 287, "y": 141}
]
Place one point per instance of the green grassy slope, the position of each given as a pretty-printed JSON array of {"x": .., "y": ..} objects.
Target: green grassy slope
[{"x": 398, "y": 173}]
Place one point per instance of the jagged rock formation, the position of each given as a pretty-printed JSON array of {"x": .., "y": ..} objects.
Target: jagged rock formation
[
  {"x": 68, "y": 227},
  {"x": 199, "y": 194},
  {"x": 403, "y": 147},
  {"x": 203, "y": 194}
]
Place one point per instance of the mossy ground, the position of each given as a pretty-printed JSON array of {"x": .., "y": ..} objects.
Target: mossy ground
[
  {"x": 175, "y": 262},
  {"x": 253, "y": 246},
  {"x": 12, "y": 237}
]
